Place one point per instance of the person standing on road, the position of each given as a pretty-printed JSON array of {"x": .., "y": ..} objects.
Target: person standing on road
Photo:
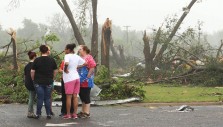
[
  {"x": 63, "y": 98},
  {"x": 86, "y": 73},
  {"x": 43, "y": 71},
  {"x": 52, "y": 89},
  {"x": 71, "y": 79},
  {"x": 29, "y": 84}
]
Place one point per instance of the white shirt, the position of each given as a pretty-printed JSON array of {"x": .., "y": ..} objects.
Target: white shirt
[{"x": 73, "y": 61}]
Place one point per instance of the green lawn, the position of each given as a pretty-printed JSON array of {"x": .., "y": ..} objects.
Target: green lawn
[{"x": 159, "y": 93}]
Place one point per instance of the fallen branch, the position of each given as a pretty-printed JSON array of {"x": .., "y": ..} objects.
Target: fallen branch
[
  {"x": 3, "y": 59},
  {"x": 177, "y": 77}
]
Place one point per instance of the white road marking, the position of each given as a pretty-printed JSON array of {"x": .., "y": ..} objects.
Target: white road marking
[
  {"x": 60, "y": 124},
  {"x": 124, "y": 114}
]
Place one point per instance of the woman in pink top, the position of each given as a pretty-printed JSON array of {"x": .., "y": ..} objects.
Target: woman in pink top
[{"x": 86, "y": 73}]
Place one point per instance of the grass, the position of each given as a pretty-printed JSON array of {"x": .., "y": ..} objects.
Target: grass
[{"x": 160, "y": 93}]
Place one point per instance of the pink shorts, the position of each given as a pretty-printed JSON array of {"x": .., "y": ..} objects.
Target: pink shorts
[{"x": 72, "y": 87}]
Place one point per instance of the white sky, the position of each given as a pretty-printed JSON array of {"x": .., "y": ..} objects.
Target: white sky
[{"x": 139, "y": 14}]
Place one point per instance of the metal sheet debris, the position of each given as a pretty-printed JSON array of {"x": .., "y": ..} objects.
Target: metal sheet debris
[{"x": 103, "y": 103}]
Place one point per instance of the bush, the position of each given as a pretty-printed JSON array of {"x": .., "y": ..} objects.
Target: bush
[
  {"x": 102, "y": 75},
  {"x": 12, "y": 86},
  {"x": 116, "y": 89},
  {"x": 121, "y": 91}
]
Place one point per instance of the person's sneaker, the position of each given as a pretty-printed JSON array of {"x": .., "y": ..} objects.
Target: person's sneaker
[
  {"x": 67, "y": 116},
  {"x": 85, "y": 115},
  {"x": 52, "y": 113},
  {"x": 48, "y": 117},
  {"x": 61, "y": 115},
  {"x": 37, "y": 117},
  {"x": 31, "y": 115},
  {"x": 74, "y": 116}
]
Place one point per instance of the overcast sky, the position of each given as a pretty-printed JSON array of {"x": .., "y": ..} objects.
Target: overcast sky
[{"x": 139, "y": 14}]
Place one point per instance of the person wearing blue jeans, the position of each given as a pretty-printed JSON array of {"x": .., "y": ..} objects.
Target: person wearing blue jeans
[
  {"x": 43, "y": 95},
  {"x": 43, "y": 71}
]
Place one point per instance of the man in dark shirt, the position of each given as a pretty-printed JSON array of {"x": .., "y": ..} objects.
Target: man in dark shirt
[{"x": 43, "y": 72}]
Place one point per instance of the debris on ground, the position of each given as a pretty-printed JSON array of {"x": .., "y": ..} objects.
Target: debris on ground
[
  {"x": 185, "y": 108},
  {"x": 124, "y": 75},
  {"x": 103, "y": 103}
]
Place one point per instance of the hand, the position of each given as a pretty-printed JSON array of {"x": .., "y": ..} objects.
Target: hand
[
  {"x": 66, "y": 71},
  {"x": 89, "y": 76}
]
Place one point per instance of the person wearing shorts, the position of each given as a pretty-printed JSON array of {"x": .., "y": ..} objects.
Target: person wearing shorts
[
  {"x": 63, "y": 98},
  {"x": 86, "y": 73},
  {"x": 71, "y": 79}
]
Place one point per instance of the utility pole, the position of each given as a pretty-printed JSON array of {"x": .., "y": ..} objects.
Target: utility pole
[{"x": 127, "y": 32}]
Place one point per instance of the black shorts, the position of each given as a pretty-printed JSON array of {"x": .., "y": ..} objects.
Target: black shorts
[{"x": 85, "y": 95}]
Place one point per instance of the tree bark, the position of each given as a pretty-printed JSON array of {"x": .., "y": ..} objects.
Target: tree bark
[
  {"x": 94, "y": 39},
  {"x": 105, "y": 43},
  {"x": 65, "y": 7},
  {"x": 219, "y": 49},
  {"x": 147, "y": 55},
  {"x": 15, "y": 64},
  {"x": 117, "y": 56},
  {"x": 12, "y": 33},
  {"x": 121, "y": 53}
]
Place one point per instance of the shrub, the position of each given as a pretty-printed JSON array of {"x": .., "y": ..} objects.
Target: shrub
[
  {"x": 121, "y": 91},
  {"x": 102, "y": 75},
  {"x": 12, "y": 85}
]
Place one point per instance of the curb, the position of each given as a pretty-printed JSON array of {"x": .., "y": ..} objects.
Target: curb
[{"x": 172, "y": 104}]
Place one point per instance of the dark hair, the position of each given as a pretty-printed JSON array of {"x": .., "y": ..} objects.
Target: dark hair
[
  {"x": 71, "y": 46},
  {"x": 86, "y": 49},
  {"x": 43, "y": 49},
  {"x": 31, "y": 55}
]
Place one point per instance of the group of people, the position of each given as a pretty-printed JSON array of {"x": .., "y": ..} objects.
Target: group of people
[{"x": 77, "y": 78}]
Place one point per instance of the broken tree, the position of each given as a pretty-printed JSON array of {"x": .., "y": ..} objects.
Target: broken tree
[
  {"x": 152, "y": 55},
  {"x": 105, "y": 42},
  {"x": 12, "y": 33}
]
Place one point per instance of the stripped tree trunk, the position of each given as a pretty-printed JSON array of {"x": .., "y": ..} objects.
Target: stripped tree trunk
[
  {"x": 219, "y": 49},
  {"x": 147, "y": 55},
  {"x": 105, "y": 43},
  {"x": 12, "y": 33},
  {"x": 118, "y": 57},
  {"x": 121, "y": 52}
]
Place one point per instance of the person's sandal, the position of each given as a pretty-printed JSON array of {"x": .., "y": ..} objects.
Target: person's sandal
[
  {"x": 85, "y": 115},
  {"x": 80, "y": 114}
]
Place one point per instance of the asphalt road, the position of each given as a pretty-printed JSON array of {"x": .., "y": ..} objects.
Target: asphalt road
[{"x": 14, "y": 115}]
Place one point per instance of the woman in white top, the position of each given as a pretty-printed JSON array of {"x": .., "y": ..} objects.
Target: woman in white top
[{"x": 71, "y": 79}]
